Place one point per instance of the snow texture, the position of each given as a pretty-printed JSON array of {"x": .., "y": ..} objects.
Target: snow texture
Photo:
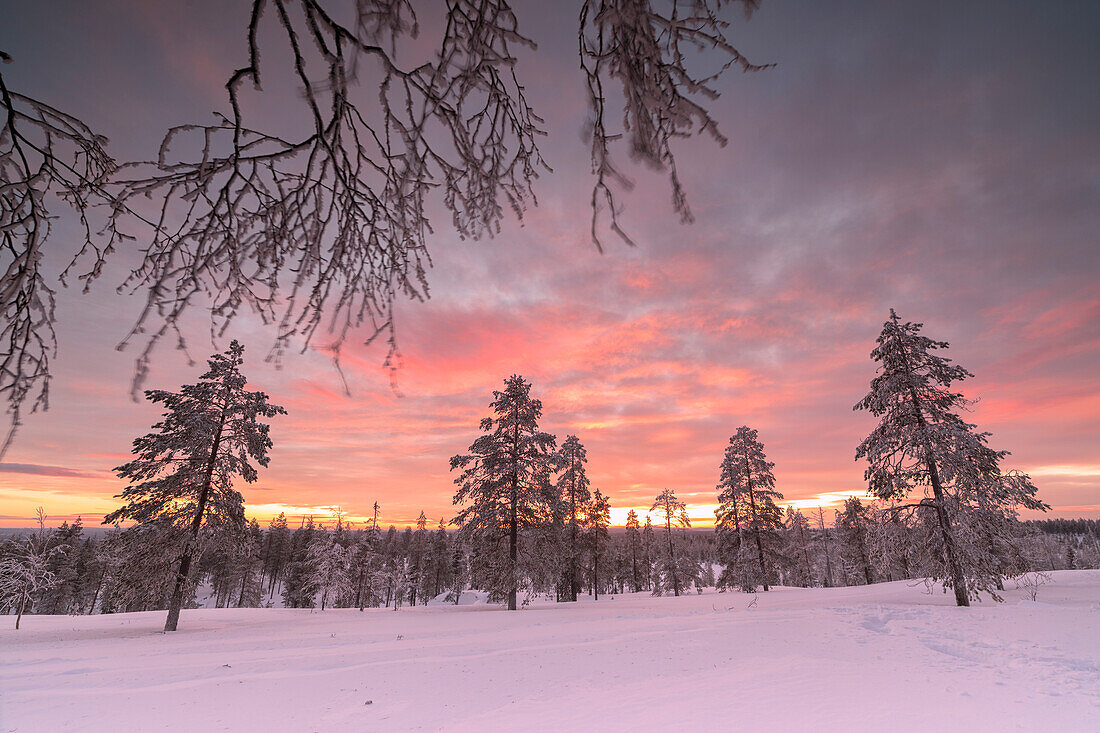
[{"x": 866, "y": 658}]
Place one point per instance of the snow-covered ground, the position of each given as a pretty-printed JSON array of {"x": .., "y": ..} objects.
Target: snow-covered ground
[{"x": 886, "y": 657}]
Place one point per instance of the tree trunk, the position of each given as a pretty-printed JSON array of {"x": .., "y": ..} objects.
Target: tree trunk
[
  {"x": 1050, "y": 555},
  {"x": 958, "y": 581},
  {"x": 904, "y": 552},
  {"x": 513, "y": 522},
  {"x": 634, "y": 561},
  {"x": 863, "y": 556},
  {"x": 805, "y": 554},
  {"x": 574, "y": 585},
  {"x": 756, "y": 531},
  {"x": 828, "y": 560},
  {"x": 596, "y": 565},
  {"x": 98, "y": 586},
  {"x": 359, "y": 599},
  {"x": 176, "y": 602},
  {"x": 671, "y": 553},
  {"x": 22, "y": 605}
]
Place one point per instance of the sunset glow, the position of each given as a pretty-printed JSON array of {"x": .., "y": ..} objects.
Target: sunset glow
[{"x": 964, "y": 196}]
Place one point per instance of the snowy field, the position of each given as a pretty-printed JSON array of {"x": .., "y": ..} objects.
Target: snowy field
[{"x": 885, "y": 657}]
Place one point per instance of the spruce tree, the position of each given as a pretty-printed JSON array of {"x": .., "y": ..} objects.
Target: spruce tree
[
  {"x": 330, "y": 568},
  {"x": 436, "y": 575},
  {"x": 250, "y": 572},
  {"x": 459, "y": 571},
  {"x": 825, "y": 543},
  {"x": 891, "y": 542},
  {"x": 298, "y": 591},
  {"x": 66, "y": 568},
  {"x": 647, "y": 553},
  {"x": 277, "y": 550},
  {"x": 598, "y": 520},
  {"x": 416, "y": 553},
  {"x": 573, "y": 487},
  {"x": 392, "y": 572},
  {"x": 183, "y": 473},
  {"x": 797, "y": 533},
  {"x": 505, "y": 481},
  {"x": 632, "y": 535},
  {"x": 853, "y": 530},
  {"x": 673, "y": 510},
  {"x": 922, "y": 442},
  {"x": 365, "y": 558},
  {"x": 748, "y": 519}
]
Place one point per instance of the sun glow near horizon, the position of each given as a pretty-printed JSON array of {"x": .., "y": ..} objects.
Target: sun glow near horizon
[{"x": 700, "y": 515}]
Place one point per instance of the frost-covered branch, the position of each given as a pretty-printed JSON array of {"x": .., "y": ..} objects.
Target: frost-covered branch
[
  {"x": 642, "y": 49},
  {"x": 48, "y": 159},
  {"x": 326, "y": 223},
  {"x": 26, "y": 572}
]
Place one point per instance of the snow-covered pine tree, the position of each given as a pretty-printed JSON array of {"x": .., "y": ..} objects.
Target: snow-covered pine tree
[
  {"x": 826, "y": 543},
  {"x": 853, "y": 533},
  {"x": 706, "y": 574},
  {"x": 798, "y": 545},
  {"x": 647, "y": 553},
  {"x": 674, "y": 511},
  {"x": 365, "y": 560},
  {"x": 543, "y": 547},
  {"x": 330, "y": 570},
  {"x": 298, "y": 591},
  {"x": 435, "y": 575},
  {"x": 460, "y": 572},
  {"x": 687, "y": 565},
  {"x": 89, "y": 576},
  {"x": 920, "y": 441},
  {"x": 391, "y": 568},
  {"x": 621, "y": 575},
  {"x": 747, "y": 511},
  {"x": 890, "y": 542},
  {"x": 597, "y": 522},
  {"x": 418, "y": 547},
  {"x": 502, "y": 482},
  {"x": 220, "y": 564},
  {"x": 573, "y": 487},
  {"x": 25, "y": 572},
  {"x": 183, "y": 473},
  {"x": 147, "y": 567},
  {"x": 276, "y": 552},
  {"x": 633, "y": 538},
  {"x": 250, "y": 572},
  {"x": 65, "y": 565},
  {"x": 105, "y": 559}
]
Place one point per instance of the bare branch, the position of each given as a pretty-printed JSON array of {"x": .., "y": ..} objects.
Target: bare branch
[
  {"x": 46, "y": 157},
  {"x": 332, "y": 221},
  {"x": 643, "y": 45}
]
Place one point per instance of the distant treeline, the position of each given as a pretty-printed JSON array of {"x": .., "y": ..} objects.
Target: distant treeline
[
  {"x": 1067, "y": 526},
  {"x": 338, "y": 566}
]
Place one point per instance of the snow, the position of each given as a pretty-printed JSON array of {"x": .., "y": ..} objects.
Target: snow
[{"x": 888, "y": 656}]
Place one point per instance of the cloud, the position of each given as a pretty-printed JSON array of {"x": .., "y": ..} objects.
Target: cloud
[
  {"x": 954, "y": 180},
  {"x": 34, "y": 469}
]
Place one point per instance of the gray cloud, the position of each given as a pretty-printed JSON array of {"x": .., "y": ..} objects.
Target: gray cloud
[{"x": 35, "y": 469}]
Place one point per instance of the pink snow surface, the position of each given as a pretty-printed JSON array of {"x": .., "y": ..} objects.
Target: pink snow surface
[{"x": 882, "y": 658}]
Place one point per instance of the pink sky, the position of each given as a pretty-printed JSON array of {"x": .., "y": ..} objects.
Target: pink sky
[{"x": 942, "y": 163}]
